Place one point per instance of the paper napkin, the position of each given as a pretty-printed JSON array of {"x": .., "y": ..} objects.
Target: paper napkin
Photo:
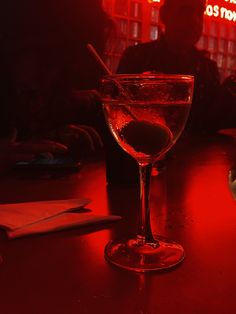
[{"x": 21, "y": 219}]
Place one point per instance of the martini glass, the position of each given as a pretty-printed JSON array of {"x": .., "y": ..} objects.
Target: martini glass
[{"x": 146, "y": 115}]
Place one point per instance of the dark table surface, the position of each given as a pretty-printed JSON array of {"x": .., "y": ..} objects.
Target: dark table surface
[{"x": 65, "y": 272}]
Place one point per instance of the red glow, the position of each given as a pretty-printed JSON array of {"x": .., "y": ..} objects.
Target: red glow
[
  {"x": 209, "y": 200},
  {"x": 96, "y": 188},
  {"x": 224, "y": 10}
]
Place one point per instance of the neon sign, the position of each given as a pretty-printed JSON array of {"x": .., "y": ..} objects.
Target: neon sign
[
  {"x": 226, "y": 10},
  {"x": 220, "y": 9}
]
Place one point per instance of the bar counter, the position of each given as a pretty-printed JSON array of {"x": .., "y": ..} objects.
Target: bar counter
[{"x": 65, "y": 272}]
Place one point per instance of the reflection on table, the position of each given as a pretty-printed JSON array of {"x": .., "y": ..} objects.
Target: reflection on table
[{"x": 65, "y": 272}]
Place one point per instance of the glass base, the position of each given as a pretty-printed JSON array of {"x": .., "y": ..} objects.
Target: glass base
[{"x": 133, "y": 254}]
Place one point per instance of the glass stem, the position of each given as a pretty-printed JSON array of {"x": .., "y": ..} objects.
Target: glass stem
[{"x": 144, "y": 227}]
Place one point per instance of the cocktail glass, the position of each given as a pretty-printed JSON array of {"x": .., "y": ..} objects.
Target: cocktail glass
[{"x": 146, "y": 115}]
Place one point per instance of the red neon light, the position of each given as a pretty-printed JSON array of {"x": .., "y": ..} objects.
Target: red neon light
[
  {"x": 224, "y": 9},
  {"x": 155, "y": 1}
]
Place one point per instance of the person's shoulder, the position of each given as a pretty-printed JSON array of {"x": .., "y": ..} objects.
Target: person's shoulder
[
  {"x": 205, "y": 56},
  {"x": 135, "y": 57},
  {"x": 207, "y": 65},
  {"x": 145, "y": 45},
  {"x": 142, "y": 48}
]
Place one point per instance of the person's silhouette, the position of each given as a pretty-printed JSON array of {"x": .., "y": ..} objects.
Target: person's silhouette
[{"x": 175, "y": 52}]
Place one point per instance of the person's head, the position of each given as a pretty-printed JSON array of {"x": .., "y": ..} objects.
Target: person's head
[{"x": 183, "y": 21}]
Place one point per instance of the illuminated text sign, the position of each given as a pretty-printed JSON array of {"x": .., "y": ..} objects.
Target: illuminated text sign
[
  {"x": 220, "y": 9},
  {"x": 224, "y": 9}
]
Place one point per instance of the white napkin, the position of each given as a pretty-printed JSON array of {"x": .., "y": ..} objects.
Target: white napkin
[{"x": 23, "y": 219}]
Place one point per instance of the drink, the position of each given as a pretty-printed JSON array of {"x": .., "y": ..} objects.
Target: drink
[
  {"x": 146, "y": 130},
  {"x": 146, "y": 114}
]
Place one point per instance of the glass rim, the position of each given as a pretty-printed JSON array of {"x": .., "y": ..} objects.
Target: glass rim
[{"x": 160, "y": 76}]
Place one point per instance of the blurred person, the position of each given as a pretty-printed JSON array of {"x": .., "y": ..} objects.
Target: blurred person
[
  {"x": 47, "y": 71},
  {"x": 175, "y": 52},
  {"x": 12, "y": 151}
]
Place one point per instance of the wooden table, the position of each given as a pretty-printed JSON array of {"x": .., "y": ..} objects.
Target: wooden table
[{"x": 65, "y": 272}]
